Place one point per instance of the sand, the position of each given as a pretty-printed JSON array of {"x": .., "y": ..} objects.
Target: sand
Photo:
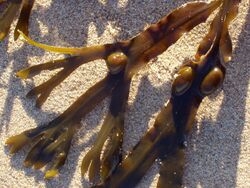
[{"x": 218, "y": 153}]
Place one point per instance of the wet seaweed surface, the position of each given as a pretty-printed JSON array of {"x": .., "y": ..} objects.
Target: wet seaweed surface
[{"x": 54, "y": 139}]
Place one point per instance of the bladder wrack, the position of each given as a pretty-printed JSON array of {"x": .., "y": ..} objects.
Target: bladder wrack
[{"x": 166, "y": 140}]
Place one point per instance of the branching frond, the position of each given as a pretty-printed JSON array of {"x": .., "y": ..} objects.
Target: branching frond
[{"x": 166, "y": 140}]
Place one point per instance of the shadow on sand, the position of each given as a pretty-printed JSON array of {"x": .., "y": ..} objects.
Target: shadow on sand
[{"x": 82, "y": 15}]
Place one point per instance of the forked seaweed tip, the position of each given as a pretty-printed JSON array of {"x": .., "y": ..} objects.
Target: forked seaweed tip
[
  {"x": 2, "y": 36},
  {"x": 51, "y": 174},
  {"x": 16, "y": 142},
  {"x": 23, "y": 74}
]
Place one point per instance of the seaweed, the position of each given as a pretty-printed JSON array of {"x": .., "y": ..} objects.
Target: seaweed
[
  {"x": 195, "y": 80},
  {"x": 166, "y": 140},
  {"x": 7, "y": 17}
]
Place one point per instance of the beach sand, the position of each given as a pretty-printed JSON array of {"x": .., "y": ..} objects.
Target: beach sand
[{"x": 218, "y": 152}]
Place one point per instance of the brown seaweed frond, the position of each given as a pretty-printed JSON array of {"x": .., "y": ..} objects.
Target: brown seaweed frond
[
  {"x": 167, "y": 139},
  {"x": 123, "y": 59},
  {"x": 52, "y": 141},
  {"x": 8, "y": 16}
]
